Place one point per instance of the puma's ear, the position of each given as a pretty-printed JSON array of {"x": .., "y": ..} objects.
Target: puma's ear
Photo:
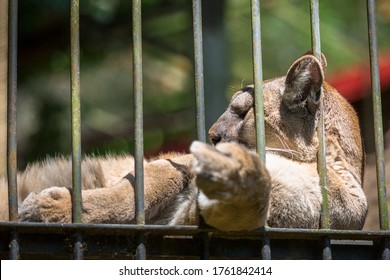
[
  {"x": 303, "y": 84},
  {"x": 324, "y": 62}
]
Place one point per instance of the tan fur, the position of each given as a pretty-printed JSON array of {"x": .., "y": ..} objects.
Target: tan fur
[
  {"x": 228, "y": 183},
  {"x": 291, "y": 118}
]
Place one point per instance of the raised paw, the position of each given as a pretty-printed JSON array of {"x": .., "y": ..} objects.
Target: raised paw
[
  {"x": 234, "y": 186},
  {"x": 227, "y": 169},
  {"x": 51, "y": 205}
]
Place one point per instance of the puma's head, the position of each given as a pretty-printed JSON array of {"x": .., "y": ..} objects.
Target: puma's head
[{"x": 291, "y": 108}]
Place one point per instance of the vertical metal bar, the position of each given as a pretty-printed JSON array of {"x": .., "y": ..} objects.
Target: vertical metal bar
[
  {"x": 138, "y": 125},
  {"x": 378, "y": 124},
  {"x": 316, "y": 45},
  {"x": 266, "y": 248},
  {"x": 199, "y": 79},
  {"x": 205, "y": 246},
  {"x": 321, "y": 162},
  {"x": 259, "y": 100},
  {"x": 386, "y": 249},
  {"x": 78, "y": 249},
  {"x": 199, "y": 98},
  {"x": 12, "y": 110},
  {"x": 11, "y": 123},
  {"x": 258, "y": 78},
  {"x": 76, "y": 130}
]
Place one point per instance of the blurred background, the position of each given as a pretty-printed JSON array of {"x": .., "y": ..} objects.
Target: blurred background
[{"x": 169, "y": 120}]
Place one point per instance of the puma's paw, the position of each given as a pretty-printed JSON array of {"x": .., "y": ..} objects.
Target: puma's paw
[
  {"x": 228, "y": 170},
  {"x": 234, "y": 186},
  {"x": 51, "y": 205}
]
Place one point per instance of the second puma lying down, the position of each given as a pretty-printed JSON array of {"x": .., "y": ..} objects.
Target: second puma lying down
[{"x": 228, "y": 183}]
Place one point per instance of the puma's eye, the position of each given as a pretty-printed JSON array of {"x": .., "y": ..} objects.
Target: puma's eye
[
  {"x": 242, "y": 115},
  {"x": 239, "y": 111},
  {"x": 241, "y": 104}
]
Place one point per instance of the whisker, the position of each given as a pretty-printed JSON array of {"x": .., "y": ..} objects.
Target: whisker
[
  {"x": 242, "y": 83},
  {"x": 287, "y": 148},
  {"x": 289, "y": 151}
]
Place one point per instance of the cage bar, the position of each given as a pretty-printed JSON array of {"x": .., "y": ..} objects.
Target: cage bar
[
  {"x": 76, "y": 131},
  {"x": 138, "y": 125},
  {"x": 199, "y": 100},
  {"x": 321, "y": 157},
  {"x": 378, "y": 125},
  {"x": 12, "y": 231},
  {"x": 116, "y": 241},
  {"x": 199, "y": 78},
  {"x": 258, "y": 78},
  {"x": 11, "y": 123},
  {"x": 259, "y": 99},
  {"x": 138, "y": 111},
  {"x": 12, "y": 111},
  {"x": 316, "y": 46},
  {"x": 76, "y": 124}
]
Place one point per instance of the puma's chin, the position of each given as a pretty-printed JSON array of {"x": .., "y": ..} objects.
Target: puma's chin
[{"x": 245, "y": 144}]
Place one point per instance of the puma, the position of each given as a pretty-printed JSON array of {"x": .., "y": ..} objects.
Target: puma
[{"x": 226, "y": 183}]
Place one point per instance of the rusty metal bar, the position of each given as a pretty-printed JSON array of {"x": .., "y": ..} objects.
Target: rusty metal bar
[
  {"x": 199, "y": 78},
  {"x": 76, "y": 123},
  {"x": 321, "y": 159},
  {"x": 11, "y": 123},
  {"x": 138, "y": 125},
  {"x": 259, "y": 99},
  {"x": 378, "y": 125}
]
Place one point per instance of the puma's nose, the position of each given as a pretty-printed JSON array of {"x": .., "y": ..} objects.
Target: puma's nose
[{"x": 214, "y": 138}]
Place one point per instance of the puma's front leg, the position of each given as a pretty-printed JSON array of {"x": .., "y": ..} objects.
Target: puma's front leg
[
  {"x": 163, "y": 180},
  {"x": 103, "y": 205},
  {"x": 50, "y": 205},
  {"x": 234, "y": 184}
]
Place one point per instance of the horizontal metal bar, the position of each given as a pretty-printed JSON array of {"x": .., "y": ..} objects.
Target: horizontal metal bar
[
  {"x": 179, "y": 247},
  {"x": 125, "y": 229},
  {"x": 107, "y": 244}
]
